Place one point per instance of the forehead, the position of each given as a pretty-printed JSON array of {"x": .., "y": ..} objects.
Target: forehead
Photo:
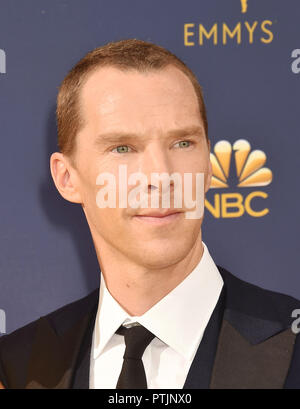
[{"x": 112, "y": 98}]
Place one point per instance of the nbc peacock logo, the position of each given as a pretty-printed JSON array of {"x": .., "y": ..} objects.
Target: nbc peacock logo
[
  {"x": 249, "y": 165},
  {"x": 249, "y": 172}
]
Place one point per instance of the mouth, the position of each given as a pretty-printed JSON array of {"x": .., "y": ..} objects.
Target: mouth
[{"x": 159, "y": 217}]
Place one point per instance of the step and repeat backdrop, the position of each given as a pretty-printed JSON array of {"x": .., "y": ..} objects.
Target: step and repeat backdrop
[{"x": 246, "y": 55}]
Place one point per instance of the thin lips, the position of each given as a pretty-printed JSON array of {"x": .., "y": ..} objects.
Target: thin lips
[{"x": 159, "y": 214}]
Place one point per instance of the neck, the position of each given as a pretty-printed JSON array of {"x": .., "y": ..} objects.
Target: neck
[{"x": 138, "y": 288}]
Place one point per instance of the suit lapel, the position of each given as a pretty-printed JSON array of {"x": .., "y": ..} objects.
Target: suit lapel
[
  {"x": 240, "y": 349},
  {"x": 82, "y": 369},
  {"x": 252, "y": 353}
]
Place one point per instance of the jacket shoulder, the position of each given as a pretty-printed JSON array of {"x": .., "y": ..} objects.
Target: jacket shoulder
[
  {"x": 14, "y": 354},
  {"x": 63, "y": 318},
  {"x": 15, "y": 348}
]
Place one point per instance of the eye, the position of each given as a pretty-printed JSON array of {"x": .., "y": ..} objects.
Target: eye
[
  {"x": 121, "y": 149},
  {"x": 184, "y": 144}
]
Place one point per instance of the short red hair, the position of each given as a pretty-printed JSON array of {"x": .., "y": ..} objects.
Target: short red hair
[{"x": 124, "y": 55}]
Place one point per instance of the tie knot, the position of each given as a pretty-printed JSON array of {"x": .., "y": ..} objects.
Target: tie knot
[{"x": 137, "y": 338}]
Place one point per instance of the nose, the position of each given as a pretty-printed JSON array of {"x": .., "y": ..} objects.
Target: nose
[{"x": 155, "y": 159}]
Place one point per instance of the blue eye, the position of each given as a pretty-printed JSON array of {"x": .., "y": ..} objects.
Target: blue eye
[
  {"x": 120, "y": 149},
  {"x": 184, "y": 144}
]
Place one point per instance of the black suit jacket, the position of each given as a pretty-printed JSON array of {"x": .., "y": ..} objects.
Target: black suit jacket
[{"x": 248, "y": 343}]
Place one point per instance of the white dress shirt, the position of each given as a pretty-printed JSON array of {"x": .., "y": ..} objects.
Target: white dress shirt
[{"x": 178, "y": 321}]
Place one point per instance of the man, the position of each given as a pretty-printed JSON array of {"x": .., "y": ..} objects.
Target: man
[{"x": 165, "y": 315}]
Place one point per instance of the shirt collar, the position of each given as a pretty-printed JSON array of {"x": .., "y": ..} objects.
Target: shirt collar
[{"x": 179, "y": 319}]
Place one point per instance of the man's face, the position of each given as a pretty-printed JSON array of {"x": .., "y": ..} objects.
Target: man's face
[{"x": 140, "y": 120}]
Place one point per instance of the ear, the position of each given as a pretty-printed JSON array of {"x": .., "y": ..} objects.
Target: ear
[
  {"x": 65, "y": 177},
  {"x": 209, "y": 173}
]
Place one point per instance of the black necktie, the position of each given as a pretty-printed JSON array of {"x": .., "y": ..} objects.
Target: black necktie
[{"x": 132, "y": 375}]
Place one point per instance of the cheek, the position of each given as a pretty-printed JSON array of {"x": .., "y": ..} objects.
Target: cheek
[
  {"x": 108, "y": 222},
  {"x": 198, "y": 166}
]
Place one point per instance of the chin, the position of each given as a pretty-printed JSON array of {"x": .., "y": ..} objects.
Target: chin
[{"x": 162, "y": 256}]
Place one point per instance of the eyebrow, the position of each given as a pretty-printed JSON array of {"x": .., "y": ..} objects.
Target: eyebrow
[{"x": 116, "y": 136}]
